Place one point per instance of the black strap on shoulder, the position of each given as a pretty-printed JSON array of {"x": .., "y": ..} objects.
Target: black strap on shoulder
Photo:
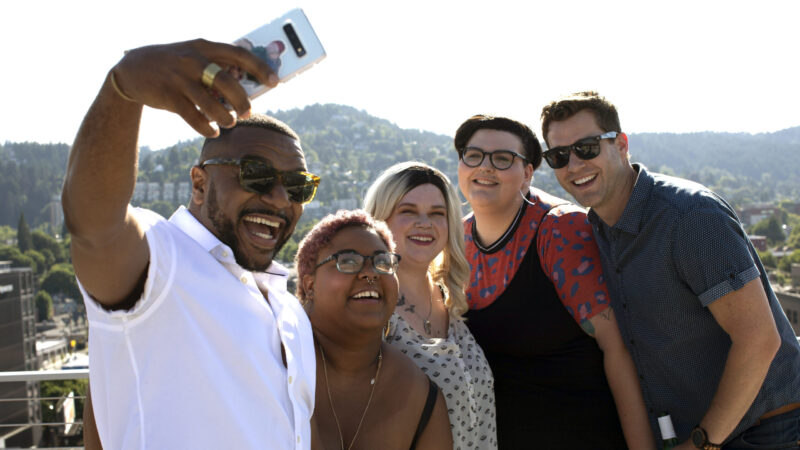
[{"x": 433, "y": 389}]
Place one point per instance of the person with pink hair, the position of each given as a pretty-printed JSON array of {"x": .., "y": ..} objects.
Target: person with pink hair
[{"x": 369, "y": 395}]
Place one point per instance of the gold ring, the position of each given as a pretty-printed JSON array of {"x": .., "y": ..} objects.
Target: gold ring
[{"x": 209, "y": 74}]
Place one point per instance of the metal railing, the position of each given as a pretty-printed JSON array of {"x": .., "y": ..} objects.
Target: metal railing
[{"x": 9, "y": 430}]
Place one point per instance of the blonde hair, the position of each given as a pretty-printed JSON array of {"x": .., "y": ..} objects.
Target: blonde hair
[{"x": 450, "y": 268}]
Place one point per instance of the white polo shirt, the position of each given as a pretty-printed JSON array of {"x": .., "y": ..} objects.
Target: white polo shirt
[{"x": 197, "y": 362}]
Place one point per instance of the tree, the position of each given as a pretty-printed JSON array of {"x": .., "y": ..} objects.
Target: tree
[
  {"x": 16, "y": 257},
  {"x": 24, "y": 241},
  {"x": 39, "y": 261},
  {"x": 44, "y": 306},
  {"x": 770, "y": 228},
  {"x": 61, "y": 280},
  {"x": 42, "y": 241},
  {"x": 768, "y": 259}
]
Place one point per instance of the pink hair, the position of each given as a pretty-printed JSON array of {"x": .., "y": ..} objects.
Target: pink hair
[{"x": 322, "y": 233}]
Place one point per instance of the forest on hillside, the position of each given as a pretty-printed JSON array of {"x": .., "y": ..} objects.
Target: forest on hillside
[{"x": 349, "y": 147}]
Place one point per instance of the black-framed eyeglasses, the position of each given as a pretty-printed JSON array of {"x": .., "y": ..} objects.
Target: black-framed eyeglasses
[
  {"x": 258, "y": 176},
  {"x": 586, "y": 148},
  {"x": 350, "y": 261},
  {"x": 500, "y": 159}
]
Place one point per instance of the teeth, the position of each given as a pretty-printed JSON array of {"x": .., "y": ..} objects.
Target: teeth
[
  {"x": 262, "y": 221},
  {"x": 486, "y": 182},
  {"x": 367, "y": 294},
  {"x": 421, "y": 238},
  {"x": 263, "y": 235},
  {"x": 584, "y": 180}
]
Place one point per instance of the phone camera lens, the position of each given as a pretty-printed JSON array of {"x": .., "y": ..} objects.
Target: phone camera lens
[{"x": 299, "y": 50}]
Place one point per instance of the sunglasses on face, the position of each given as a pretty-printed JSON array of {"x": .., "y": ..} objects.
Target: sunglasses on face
[
  {"x": 586, "y": 148},
  {"x": 259, "y": 177},
  {"x": 350, "y": 261},
  {"x": 500, "y": 159}
]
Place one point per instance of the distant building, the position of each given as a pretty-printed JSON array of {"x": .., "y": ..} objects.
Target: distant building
[
  {"x": 153, "y": 191},
  {"x": 751, "y": 215},
  {"x": 759, "y": 242},
  {"x": 140, "y": 192},
  {"x": 18, "y": 353},
  {"x": 344, "y": 203},
  {"x": 795, "y": 272},
  {"x": 184, "y": 193},
  {"x": 169, "y": 192},
  {"x": 790, "y": 302}
]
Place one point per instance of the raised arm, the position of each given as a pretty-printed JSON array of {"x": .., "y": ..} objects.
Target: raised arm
[
  {"x": 108, "y": 247},
  {"x": 621, "y": 374}
]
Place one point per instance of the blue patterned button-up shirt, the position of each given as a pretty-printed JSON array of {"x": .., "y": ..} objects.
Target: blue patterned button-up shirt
[{"x": 677, "y": 248}]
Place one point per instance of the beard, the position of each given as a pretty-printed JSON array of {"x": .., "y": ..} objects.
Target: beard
[{"x": 224, "y": 231}]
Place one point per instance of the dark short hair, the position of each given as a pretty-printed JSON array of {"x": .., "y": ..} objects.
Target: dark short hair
[
  {"x": 531, "y": 147},
  {"x": 255, "y": 120},
  {"x": 605, "y": 113}
]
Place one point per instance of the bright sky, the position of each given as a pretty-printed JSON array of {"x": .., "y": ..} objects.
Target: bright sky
[{"x": 675, "y": 66}]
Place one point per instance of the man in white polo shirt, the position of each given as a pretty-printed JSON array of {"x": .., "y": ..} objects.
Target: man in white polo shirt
[{"x": 195, "y": 342}]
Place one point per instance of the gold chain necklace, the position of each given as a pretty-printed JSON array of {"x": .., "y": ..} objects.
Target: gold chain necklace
[{"x": 373, "y": 382}]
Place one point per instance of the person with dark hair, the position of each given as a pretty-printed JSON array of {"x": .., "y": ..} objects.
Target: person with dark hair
[
  {"x": 195, "y": 341},
  {"x": 693, "y": 301},
  {"x": 369, "y": 395},
  {"x": 538, "y": 303},
  {"x": 421, "y": 207}
]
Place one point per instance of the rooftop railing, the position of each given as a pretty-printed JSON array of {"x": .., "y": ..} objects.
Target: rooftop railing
[{"x": 9, "y": 430}]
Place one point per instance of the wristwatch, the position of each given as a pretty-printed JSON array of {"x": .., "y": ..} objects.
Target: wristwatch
[{"x": 700, "y": 440}]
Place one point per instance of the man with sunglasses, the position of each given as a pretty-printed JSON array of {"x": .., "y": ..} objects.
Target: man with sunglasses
[
  {"x": 538, "y": 308},
  {"x": 693, "y": 302},
  {"x": 195, "y": 342}
]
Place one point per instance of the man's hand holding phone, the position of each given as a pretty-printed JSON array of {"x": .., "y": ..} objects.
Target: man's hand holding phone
[{"x": 170, "y": 77}]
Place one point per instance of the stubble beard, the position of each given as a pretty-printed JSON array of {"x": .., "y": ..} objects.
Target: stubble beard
[{"x": 224, "y": 231}]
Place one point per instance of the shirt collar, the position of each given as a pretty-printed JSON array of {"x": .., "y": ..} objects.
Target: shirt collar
[
  {"x": 188, "y": 223},
  {"x": 631, "y": 217}
]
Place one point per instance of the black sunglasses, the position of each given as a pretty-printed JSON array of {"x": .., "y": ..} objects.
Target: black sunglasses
[
  {"x": 586, "y": 148},
  {"x": 500, "y": 159},
  {"x": 258, "y": 176},
  {"x": 350, "y": 261}
]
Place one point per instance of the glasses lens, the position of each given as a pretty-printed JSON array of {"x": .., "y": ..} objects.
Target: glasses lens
[
  {"x": 472, "y": 157},
  {"x": 586, "y": 150},
  {"x": 301, "y": 186},
  {"x": 256, "y": 176},
  {"x": 557, "y": 157},
  {"x": 349, "y": 262},
  {"x": 385, "y": 263},
  {"x": 502, "y": 159}
]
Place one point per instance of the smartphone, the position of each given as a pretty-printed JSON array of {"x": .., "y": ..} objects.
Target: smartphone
[{"x": 288, "y": 44}]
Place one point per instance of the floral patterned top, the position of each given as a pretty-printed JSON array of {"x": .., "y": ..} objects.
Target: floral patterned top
[{"x": 457, "y": 365}]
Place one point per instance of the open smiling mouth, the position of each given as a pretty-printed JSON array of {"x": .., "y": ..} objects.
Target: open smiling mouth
[
  {"x": 584, "y": 180},
  {"x": 261, "y": 227}
]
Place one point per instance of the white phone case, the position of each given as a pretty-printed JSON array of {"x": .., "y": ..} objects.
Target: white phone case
[{"x": 288, "y": 44}]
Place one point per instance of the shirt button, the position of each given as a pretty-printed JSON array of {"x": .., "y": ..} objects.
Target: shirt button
[
  {"x": 290, "y": 379},
  {"x": 244, "y": 279},
  {"x": 625, "y": 306},
  {"x": 224, "y": 254},
  {"x": 632, "y": 342},
  {"x": 298, "y": 439}
]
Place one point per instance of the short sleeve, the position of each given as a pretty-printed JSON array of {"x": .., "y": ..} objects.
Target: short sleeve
[
  {"x": 712, "y": 254},
  {"x": 570, "y": 259},
  {"x": 160, "y": 271}
]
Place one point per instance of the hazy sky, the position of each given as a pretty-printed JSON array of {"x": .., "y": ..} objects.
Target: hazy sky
[{"x": 674, "y": 66}]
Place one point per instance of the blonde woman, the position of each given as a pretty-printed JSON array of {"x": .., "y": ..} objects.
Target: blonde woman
[{"x": 422, "y": 210}]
